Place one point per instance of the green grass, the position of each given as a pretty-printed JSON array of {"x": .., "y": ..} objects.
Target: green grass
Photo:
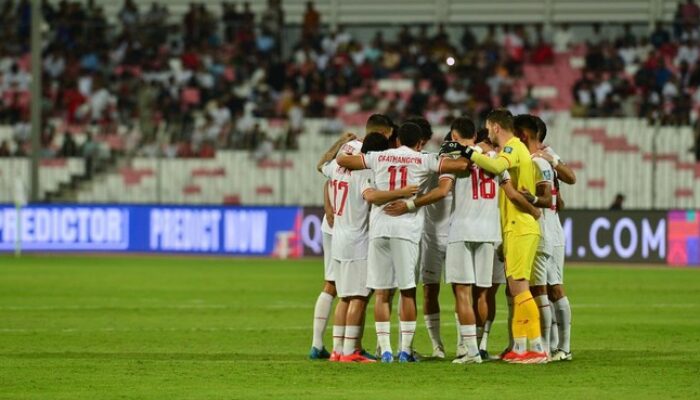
[{"x": 185, "y": 328}]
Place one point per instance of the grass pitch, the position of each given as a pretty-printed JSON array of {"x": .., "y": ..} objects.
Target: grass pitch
[{"x": 190, "y": 328}]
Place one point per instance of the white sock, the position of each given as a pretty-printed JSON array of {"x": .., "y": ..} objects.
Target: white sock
[
  {"x": 321, "y": 312},
  {"x": 563, "y": 310},
  {"x": 468, "y": 334},
  {"x": 545, "y": 319},
  {"x": 432, "y": 322},
  {"x": 484, "y": 343},
  {"x": 520, "y": 345},
  {"x": 536, "y": 345},
  {"x": 408, "y": 330},
  {"x": 511, "y": 342},
  {"x": 383, "y": 336},
  {"x": 553, "y": 331},
  {"x": 352, "y": 332},
  {"x": 459, "y": 335},
  {"x": 338, "y": 338}
]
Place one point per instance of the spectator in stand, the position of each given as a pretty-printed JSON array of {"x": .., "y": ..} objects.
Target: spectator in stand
[
  {"x": 129, "y": 15},
  {"x": 273, "y": 22},
  {"x": 660, "y": 36},
  {"x": 69, "y": 148},
  {"x": 617, "y": 202},
  {"x": 5, "y": 149},
  {"x": 690, "y": 13},
  {"x": 562, "y": 39},
  {"x": 312, "y": 23},
  {"x": 543, "y": 52}
]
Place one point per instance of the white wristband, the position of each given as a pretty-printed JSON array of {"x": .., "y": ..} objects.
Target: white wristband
[
  {"x": 478, "y": 149},
  {"x": 411, "y": 205},
  {"x": 555, "y": 162},
  {"x": 534, "y": 200}
]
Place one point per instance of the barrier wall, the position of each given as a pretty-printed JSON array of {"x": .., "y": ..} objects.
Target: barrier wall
[{"x": 670, "y": 237}]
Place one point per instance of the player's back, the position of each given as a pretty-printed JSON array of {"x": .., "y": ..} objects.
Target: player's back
[
  {"x": 395, "y": 169},
  {"x": 351, "y": 211},
  {"x": 475, "y": 213},
  {"x": 437, "y": 215}
]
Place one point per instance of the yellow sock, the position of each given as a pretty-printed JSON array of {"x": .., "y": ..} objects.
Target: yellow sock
[
  {"x": 519, "y": 318},
  {"x": 530, "y": 315}
]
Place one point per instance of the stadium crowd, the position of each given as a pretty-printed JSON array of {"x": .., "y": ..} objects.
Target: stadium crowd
[{"x": 184, "y": 89}]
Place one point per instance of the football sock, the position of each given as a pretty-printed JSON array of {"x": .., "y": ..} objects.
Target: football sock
[
  {"x": 510, "y": 321},
  {"x": 321, "y": 312},
  {"x": 432, "y": 322},
  {"x": 459, "y": 336},
  {"x": 484, "y": 343},
  {"x": 545, "y": 319},
  {"x": 554, "y": 330},
  {"x": 563, "y": 310},
  {"x": 338, "y": 338},
  {"x": 479, "y": 334},
  {"x": 468, "y": 334},
  {"x": 408, "y": 330},
  {"x": 536, "y": 345},
  {"x": 351, "y": 335},
  {"x": 383, "y": 336},
  {"x": 520, "y": 345},
  {"x": 526, "y": 316}
]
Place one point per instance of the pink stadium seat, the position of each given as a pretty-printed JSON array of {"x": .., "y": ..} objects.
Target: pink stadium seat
[
  {"x": 684, "y": 192},
  {"x": 264, "y": 190},
  {"x": 596, "y": 183},
  {"x": 288, "y": 164},
  {"x": 191, "y": 189},
  {"x": 232, "y": 199},
  {"x": 208, "y": 172},
  {"x": 53, "y": 162}
]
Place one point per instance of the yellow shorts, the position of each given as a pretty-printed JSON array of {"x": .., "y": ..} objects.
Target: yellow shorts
[{"x": 520, "y": 251}]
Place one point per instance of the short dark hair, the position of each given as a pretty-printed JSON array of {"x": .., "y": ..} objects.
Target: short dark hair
[
  {"x": 482, "y": 135},
  {"x": 378, "y": 121},
  {"x": 525, "y": 122},
  {"x": 502, "y": 117},
  {"x": 374, "y": 141},
  {"x": 465, "y": 127},
  {"x": 425, "y": 127},
  {"x": 410, "y": 134},
  {"x": 541, "y": 128}
]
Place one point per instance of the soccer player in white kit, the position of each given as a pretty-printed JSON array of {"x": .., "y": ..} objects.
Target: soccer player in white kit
[
  {"x": 350, "y": 241},
  {"x": 394, "y": 241},
  {"x": 324, "y": 302},
  {"x": 474, "y": 229}
]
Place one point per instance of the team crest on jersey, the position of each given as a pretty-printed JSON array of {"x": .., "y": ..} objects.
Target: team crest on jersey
[
  {"x": 547, "y": 174},
  {"x": 508, "y": 149}
]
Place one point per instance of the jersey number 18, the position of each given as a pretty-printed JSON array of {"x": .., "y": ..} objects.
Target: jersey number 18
[{"x": 482, "y": 184}]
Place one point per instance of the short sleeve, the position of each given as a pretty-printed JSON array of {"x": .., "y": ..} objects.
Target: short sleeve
[
  {"x": 366, "y": 180},
  {"x": 432, "y": 162},
  {"x": 370, "y": 159},
  {"x": 328, "y": 168},
  {"x": 544, "y": 171},
  {"x": 504, "y": 177}
]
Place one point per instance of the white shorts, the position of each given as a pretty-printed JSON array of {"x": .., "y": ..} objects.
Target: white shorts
[
  {"x": 330, "y": 266},
  {"x": 499, "y": 269},
  {"x": 538, "y": 276},
  {"x": 392, "y": 263},
  {"x": 555, "y": 270},
  {"x": 469, "y": 263},
  {"x": 432, "y": 258},
  {"x": 352, "y": 278}
]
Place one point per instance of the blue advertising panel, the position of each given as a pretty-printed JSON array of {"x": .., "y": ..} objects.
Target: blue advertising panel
[{"x": 166, "y": 229}]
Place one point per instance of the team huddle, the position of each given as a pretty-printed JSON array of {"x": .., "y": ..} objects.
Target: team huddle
[{"x": 482, "y": 212}]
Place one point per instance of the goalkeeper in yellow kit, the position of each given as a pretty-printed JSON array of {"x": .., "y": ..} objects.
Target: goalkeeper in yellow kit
[{"x": 521, "y": 234}]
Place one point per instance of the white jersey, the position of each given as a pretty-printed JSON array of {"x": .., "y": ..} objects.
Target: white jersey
[
  {"x": 351, "y": 147},
  {"x": 396, "y": 169},
  {"x": 549, "y": 219},
  {"x": 325, "y": 227},
  {"x": 350, "y": 229},
  {"x": 556, "y": 228},
  {"x": 475, "y": 213},
  {"x": 437, "y": 215}
]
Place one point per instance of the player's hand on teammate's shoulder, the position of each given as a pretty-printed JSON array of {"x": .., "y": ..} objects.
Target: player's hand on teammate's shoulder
[
  {"x": 396, "y": 208},
  {"x": 545, "y": 155}
]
